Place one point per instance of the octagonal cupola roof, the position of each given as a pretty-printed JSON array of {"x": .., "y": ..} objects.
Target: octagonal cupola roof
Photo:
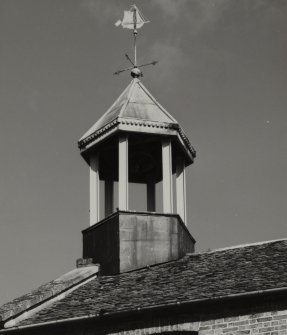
[{"x": 135, "y": 110}]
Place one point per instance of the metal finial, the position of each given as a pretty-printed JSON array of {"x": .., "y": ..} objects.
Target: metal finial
[{"x": 136, "y": 72}]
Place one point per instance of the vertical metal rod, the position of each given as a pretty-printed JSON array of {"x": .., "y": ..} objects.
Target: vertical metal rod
[
  {"x": 135, "y": 46},
  {"x": 135, "y": 34}
]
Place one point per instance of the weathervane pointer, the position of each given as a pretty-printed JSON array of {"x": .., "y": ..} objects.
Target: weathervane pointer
[{"x": 128, "y": 58}]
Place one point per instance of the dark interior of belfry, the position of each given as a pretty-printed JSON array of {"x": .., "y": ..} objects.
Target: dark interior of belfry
[{"x": 144, "y": 159}]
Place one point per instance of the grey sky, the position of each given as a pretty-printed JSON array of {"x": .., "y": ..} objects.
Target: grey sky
[{"x": 222, "y": 75}]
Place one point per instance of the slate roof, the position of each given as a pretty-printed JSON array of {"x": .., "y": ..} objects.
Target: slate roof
[
  {"x": 47, "y": 291},
  {"x": 215, "y": 274}
]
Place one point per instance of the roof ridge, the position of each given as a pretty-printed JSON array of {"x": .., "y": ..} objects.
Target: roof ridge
[
  {"x": 130, "y": 91},
  {"x": 24, "y": 306},
  {"x": 108, "y": 111},
  {"x": 244, "y": 245}
]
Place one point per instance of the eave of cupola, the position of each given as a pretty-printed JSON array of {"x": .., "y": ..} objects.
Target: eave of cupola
[{"x": 136, "y": 110}]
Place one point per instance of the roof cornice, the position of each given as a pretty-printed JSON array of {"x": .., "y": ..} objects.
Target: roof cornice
[{"x": 132, "y": 125}]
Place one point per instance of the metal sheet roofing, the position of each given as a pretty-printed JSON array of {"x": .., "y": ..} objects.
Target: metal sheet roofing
[{"x": 136, "y": 102}]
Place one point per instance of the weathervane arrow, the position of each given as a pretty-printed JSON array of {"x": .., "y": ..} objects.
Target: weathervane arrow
[{"x": 133, "y": 19}]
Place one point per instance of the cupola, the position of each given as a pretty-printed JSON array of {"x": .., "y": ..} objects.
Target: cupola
[{"x": 136, "y": 141}]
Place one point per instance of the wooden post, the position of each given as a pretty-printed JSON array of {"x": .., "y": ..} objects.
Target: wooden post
[
  {"x": 167, "y": 176},
  {"x": 109, "y": 196},
  {"x": 123, "y": 172},
  {"x": 181, "y": 189},
  {"x": 150, "y": 188},
  {"x": 94, "y": 189}
]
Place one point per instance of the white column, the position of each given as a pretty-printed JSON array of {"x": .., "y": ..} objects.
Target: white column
[
  {"x": 109, "y": 196},
  {"x": 94, "y": 189},
  {"x": 123, "y": 172},
  {"x": 181, "y": 189},
  {"x": 167, "y": 176},
  {"x": 150, "y": 188}
]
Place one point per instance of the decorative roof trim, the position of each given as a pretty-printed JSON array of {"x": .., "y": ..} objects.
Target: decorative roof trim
[
  {"x": 85, "y": 143},
  {"x": 82, "y": 144},
  {"x": 187, "y": 142},
  {"x": 125, "y": 121}
]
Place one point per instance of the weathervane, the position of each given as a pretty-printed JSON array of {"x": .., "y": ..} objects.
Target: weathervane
[{"x": 133, "y": 19}]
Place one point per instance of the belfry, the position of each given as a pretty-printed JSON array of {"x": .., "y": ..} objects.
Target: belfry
[{"x": 136, "y": 141}]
